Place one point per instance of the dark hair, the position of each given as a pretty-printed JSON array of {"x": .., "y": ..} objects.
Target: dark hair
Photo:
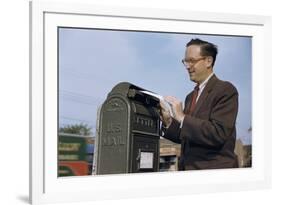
[{"x": 207, "y": 49}]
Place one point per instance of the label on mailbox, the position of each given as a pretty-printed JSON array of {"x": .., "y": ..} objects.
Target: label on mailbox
[
  {"x": 112, "y": 145},
  {"x": 146, "y": 160}
]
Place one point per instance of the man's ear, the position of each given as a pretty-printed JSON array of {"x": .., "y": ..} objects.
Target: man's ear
[{"x": 209, "y": 61}]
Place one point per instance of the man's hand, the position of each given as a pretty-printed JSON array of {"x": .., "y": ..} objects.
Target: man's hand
[
  {"x": 165, "y": 114},
  {"x": 176, "y": 105}
]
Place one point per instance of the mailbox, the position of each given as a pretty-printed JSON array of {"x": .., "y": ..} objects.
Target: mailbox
[{"x": 128, "y": 132}]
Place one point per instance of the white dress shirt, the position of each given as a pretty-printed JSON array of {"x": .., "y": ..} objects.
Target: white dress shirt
[
  {"x": 203, "y": 85},
  {"x": 201, "y": 88}
]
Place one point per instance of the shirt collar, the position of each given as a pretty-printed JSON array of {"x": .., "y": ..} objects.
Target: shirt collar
[{"x": 202, "y": 85}]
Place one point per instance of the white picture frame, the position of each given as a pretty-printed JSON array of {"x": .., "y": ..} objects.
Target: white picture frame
[{"x": 46, "y": 187}]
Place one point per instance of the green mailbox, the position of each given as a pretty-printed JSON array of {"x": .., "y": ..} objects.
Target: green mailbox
[{"x": 128, "y": 132}]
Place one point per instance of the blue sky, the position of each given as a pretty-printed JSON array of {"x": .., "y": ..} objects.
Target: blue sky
[{"x": 91, "y": 62}]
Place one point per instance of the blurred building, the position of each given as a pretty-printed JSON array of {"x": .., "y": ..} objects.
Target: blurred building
[
  {"x": 169, "y": 155},
  {"x": 244, "y": 154},
  {"x": 75, "y": 154}
]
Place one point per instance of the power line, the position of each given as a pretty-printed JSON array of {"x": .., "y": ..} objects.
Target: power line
[
  {"x": 77, "y": 94},
  {"x": 75, "y": 119},
  {"x": 76, "y": 74},
  {"x": 80, "y": 98}
]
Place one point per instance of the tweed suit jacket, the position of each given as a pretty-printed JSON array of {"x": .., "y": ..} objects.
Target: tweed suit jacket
[{"x": 208, "y": 134}]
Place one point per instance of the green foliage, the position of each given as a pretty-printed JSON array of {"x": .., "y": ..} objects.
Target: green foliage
[{"x": 80, "y": 129}]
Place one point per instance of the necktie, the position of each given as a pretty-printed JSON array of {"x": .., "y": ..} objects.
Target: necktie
[{"x": 193, "y": 100}]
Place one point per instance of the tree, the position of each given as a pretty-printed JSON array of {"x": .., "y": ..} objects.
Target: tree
[{"x": 80, "y": 129}]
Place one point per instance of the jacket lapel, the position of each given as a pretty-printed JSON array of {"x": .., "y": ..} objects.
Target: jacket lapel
[{"x": 208, "y": 88}]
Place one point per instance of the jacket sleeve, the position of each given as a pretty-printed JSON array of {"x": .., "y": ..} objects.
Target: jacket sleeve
[
  {"x": 220, "y": 124},
  {"x": 173, "y": 132}
]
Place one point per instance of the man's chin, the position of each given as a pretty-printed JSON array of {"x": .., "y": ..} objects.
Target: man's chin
[{"x": 192, "y": 78}]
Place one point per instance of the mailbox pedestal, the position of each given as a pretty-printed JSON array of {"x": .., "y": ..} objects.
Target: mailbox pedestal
[{"x": 128, "y": 132}]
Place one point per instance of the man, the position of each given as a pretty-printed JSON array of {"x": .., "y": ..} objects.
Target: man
[{"x": 205, "y": 128}]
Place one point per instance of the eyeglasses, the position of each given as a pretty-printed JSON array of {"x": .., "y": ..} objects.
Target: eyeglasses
[{"x": 191, "y": 61}]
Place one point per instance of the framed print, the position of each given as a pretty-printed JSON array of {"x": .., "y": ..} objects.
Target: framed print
[{"x": 83, "y": 56}]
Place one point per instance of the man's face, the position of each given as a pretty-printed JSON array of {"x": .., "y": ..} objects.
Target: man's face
[{"x": 198, "y": 67}]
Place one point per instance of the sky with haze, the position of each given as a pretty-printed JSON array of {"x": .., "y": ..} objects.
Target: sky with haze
[{"x": 92, "y": 62}]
